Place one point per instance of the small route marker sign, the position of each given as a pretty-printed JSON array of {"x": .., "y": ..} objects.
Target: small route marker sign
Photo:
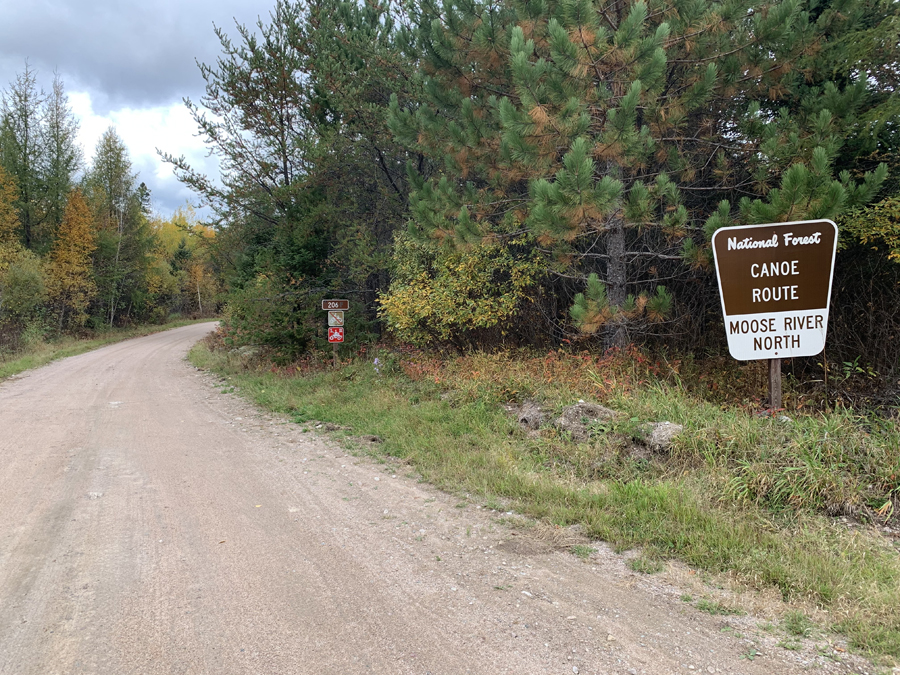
[
  {"x": 335, "y": 309},
  {"x": 775, "y": 285}
]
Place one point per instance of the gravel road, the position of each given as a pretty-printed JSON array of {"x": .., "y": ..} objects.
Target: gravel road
[{"x": 150, "y": 523}]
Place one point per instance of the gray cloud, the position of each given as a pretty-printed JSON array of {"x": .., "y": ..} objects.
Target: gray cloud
[
  {"x": 125, "y": 54},
  {"x": 131, "y": 54},
  {"x": 166, "y": 194}
]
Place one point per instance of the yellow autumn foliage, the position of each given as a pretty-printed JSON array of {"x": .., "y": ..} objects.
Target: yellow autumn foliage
[
  {"x": 182, "y": 225},
  {"x": 70, "y": 281},
  {"x": 9, "y": 218},
  {"x": 876, "y": 224},
  {"x": 440, "y": 294}
]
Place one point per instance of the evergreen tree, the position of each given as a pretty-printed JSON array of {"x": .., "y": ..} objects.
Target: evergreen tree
[
  {"x": 617, "y": 135},
  {"x": 61, "y": 156},
  {"x": 355, "y": 65},
  {"x": 121, "y": 258},
  {"x": 254, "y": 118},
  {"x": 313, "y": 185},
  {"x": 22, "y": 149}
]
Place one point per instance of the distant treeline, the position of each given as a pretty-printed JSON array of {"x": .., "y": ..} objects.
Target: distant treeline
[{"x": 80, "y": 247}]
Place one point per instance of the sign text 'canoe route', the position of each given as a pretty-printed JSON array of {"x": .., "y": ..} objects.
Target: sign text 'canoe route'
[{"x": 775, "y": 285}]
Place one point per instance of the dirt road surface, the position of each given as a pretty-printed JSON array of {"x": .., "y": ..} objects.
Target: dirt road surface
[{"x": 150, "y": 523}]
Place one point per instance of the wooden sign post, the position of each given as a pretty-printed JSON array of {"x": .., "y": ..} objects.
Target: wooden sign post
[
  {"x": 775, "y": 286},
  {"x": 335, "y": 309},
  {"x": 775, "y": 384}
]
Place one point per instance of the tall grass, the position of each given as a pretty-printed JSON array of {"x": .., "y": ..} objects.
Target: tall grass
[{"x": 738, "y": 493}]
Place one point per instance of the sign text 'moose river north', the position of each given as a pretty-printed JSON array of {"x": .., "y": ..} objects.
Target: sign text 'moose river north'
[{"x": 775, "y": 283}]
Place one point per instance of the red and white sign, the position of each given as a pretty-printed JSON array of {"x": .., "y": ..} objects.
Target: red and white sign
[{"x": 336, "y": 334}]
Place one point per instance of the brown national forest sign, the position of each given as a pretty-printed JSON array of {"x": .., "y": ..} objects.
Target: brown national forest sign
[{"x": 775, "y": 285}]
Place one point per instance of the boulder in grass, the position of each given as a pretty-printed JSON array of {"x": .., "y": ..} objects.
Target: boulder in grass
[
  {"x": 660, "y": 436},
  {"x": 530, "y": 415},
  {"x": 577, "y": 420}
]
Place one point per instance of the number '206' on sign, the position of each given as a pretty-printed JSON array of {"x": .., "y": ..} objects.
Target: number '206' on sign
[{"x": 775, "y": 286}]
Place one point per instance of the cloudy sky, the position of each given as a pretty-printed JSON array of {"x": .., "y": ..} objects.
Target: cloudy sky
[{"x": 127, "y": 64}]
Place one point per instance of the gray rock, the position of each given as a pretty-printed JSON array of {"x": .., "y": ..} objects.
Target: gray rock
[
  {"x": 530, "y": 415},
  {"x": 659, "y": 436},
  {"x": 247, "y": 352},
  {"x": 578, "y": 419}
]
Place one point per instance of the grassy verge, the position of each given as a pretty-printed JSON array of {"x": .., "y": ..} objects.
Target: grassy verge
[
  {"x": 739, "y": 494},
  {"x": 45, "y": 352}
]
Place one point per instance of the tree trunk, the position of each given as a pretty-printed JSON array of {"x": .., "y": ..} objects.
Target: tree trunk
[
  {"x": 616, "y": 270},
  {"x": 616, "y": 274},
  {"x": 120, "y": 226}
]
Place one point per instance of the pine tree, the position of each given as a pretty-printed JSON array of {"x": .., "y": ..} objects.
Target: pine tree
[
  {"x": 619, "y": 136},
  {"x": 355, "y": 65},
  {"x": 254, "y": 117},
  {"x": 313, "y": 185}
]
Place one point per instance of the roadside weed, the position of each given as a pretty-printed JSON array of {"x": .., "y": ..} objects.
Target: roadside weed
[
  {"x": 645, "y": 565},
  {"x": 751, "y": 654},
  {"x": 796, "y": 623},
  {"x": 715, "y": 607},
  {"x": 583, "y": 552}
]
